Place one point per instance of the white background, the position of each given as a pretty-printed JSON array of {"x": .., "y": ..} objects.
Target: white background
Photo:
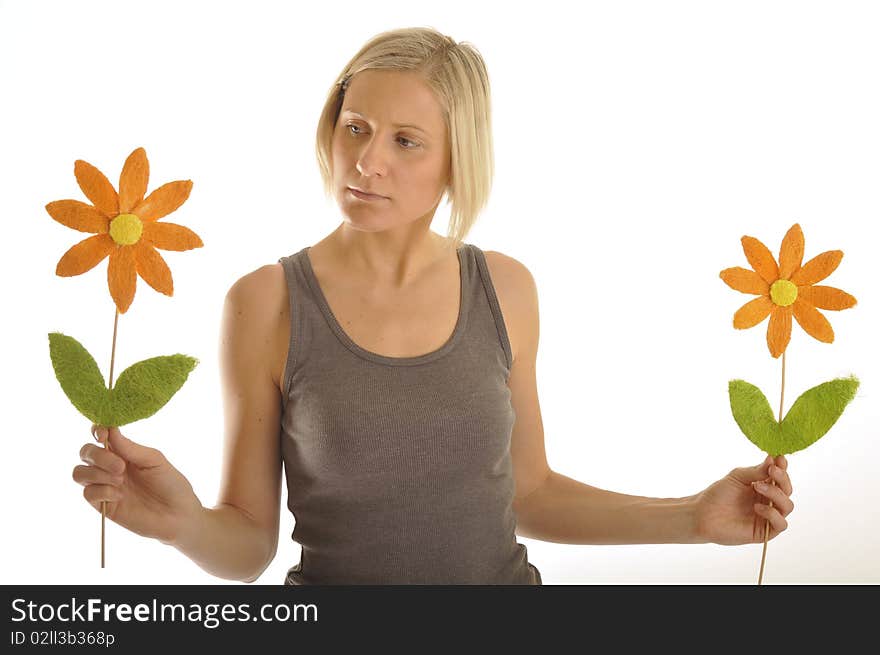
[{"x": 636, "y": 142}]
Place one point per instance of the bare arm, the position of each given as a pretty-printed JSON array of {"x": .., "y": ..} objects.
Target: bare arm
[
  {"x": 566, "y": 511},
  {"x": 238, "y": 537},
  {"x": 226, "y": 543}
]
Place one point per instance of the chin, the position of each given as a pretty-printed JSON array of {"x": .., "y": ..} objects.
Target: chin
[{"x": 369, "y": 222}]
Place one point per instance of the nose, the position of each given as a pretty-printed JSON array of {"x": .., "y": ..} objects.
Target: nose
[{"x": 372, "y": 159}]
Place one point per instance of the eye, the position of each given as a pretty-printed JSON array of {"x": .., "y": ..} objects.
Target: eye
[{"x": 403, "y": 138}]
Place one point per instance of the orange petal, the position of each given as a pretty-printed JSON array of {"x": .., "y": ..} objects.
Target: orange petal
[
  {"x": 133, "y": 180},
  {"x": 826, "y": 297},
  {"x": 779, "y": 330},
  {"x": 791, "y": 252},
  {"x": 170, "y": 236},
  {"x": 761, "y": 259},
  {"x": 163, "y": 200},
  {"x": 122, "y": 277},
  {"x": 744, "y": 280},
  {"x": 818, "y": 268},
  {"x": 79, "y": 216},
  {"x": 97, "y": 188},
  {"x": 752, "y": 313},
  {"x": 85, "y": 255},
  {"x": 812, "y": 320},
  {"x": 153, "y": 268}
]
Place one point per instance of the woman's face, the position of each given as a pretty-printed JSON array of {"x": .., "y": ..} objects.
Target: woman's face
[{"x": 390, "y": 140}]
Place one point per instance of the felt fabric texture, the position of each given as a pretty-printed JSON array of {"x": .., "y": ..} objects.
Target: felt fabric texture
[
  {"x": 796, "y": 297},
  {"x": 744, "y": 280},
  {"x": 761, "y": 259},
  {"x": 145, "y": 387},
  {"x": 125, "y": 226},
  {"x": 818, "y": 268},
  {"x": 783, "y": 293},
  {"x": 126, "y": 229},
  {"x": 752, "y": 313},
  {"x": 133, "y": 180},
  {"x": 812, "y": 321},
  {"x": 779, "y": 330},
  {"x": 826, "y": 297},
  {"x": 78, "y": 374},
  {"x": 97, "y": 188},
  {"x": 809, "y": 418},
  {"x": 791, "y": 252},
  {"x": 140, "y": 391}
]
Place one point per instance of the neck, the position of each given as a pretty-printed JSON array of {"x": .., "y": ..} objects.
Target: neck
[{"x": 389, "y": 259}]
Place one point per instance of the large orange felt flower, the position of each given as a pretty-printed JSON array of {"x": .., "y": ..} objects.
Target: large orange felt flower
[
  {"x": 125, "y": 226},
  {"x": 786, "y": 289}
]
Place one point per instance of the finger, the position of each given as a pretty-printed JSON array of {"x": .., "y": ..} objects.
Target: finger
[
  {"x": 780, "y": 500},
  {"x": 782, "y": 479},
  {"x": 777, "y": 522},
  {"x": 102, "y": 458},
  {"x": 100, "y": 504},
  {"x": 781, "y": 462},
  {"x": 101, "y": 434},
  {"x": 95, "y": 493},
  {"x": 92, "y": 475}
]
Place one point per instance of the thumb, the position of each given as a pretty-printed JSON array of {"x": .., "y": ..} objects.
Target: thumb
[{"x": 132, "y": 451}]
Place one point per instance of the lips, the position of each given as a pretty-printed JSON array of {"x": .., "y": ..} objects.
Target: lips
[{"x": 369, "y": 193}]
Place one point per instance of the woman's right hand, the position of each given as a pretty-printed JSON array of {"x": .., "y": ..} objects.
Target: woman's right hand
[{"x": 144, "y": 493}]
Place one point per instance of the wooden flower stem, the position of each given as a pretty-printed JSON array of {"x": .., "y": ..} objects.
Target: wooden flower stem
[
  {"x": 772, "y": 481},
  {"x": 105, "y": 443}
]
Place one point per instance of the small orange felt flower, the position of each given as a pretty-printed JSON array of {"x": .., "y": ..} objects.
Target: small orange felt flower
[
  {"x": 786, "y": 289},
  {"x": 125, "y": 226}
]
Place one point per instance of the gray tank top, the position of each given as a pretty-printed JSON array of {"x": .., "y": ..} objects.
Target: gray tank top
[{"x": 398, "y": 468}]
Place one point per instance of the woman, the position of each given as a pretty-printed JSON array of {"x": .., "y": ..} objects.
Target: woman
[{"x": 392, "y": 371}]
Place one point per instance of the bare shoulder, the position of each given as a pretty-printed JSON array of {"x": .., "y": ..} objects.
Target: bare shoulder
[
  {"x": 259, "y": 300},
  {"x": 517, "y": 295},
  {"x": 262, "y": 292}
]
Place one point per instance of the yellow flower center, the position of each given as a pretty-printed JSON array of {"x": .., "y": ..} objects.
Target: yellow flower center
[
  {"x": 783, "y": 292},
  {"x": 126, "y": 229}
]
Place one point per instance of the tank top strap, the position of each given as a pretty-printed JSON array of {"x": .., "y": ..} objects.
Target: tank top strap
[
  {"x": 304, "y": 312},
  {"x": 487, "y": 288}
]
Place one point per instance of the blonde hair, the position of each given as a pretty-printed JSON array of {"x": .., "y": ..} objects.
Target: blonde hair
[{"x": 457, "y": 75}]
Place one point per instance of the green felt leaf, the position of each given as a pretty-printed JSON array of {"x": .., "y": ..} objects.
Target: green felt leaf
[
  {"x": 143, "y": 388},
  {"x": 816, "y": 410},
  {"x": 753, "y": 415},
  {"x": 79, "y": 375},
  {"x": 810, "y": 417}
]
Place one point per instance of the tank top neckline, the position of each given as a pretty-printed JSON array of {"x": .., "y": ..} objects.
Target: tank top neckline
[{"x": 349, "y": 343}]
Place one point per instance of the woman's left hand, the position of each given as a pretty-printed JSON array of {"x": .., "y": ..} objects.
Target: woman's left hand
[{"x": 735, "y": 509}]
